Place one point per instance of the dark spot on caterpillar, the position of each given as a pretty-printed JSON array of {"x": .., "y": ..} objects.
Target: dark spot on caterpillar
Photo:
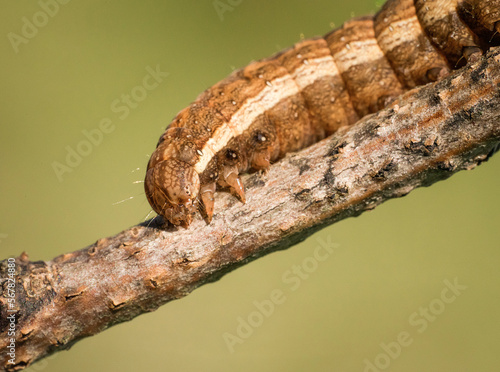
[
  {"x": 260, "y": 137},
  {"x": 231, "y": 155}
]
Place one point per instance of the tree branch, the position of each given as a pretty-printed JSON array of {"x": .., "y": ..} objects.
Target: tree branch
[{"x": 427, "y": 135}]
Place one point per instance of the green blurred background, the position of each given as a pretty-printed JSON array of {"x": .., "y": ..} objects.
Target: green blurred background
[{"x": 387, "y": 265}]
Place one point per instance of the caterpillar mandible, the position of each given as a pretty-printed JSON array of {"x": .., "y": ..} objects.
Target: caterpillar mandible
[{"x": 302, "y": 94}]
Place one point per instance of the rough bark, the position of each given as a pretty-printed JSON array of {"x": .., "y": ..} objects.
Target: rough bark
[{"x": 427, "y": 135}]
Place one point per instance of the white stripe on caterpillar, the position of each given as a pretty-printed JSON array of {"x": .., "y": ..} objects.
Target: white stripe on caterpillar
[
  {"x": 277, "y": 90},
  {"x": 316, "y": 69},
  {"x": 267, "y": 98},
  {"x": 400, "y": 32},
  {"x": 358, "y": 53}
]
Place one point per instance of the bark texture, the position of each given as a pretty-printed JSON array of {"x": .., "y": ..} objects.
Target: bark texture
[{"x": 427, "y": 135}]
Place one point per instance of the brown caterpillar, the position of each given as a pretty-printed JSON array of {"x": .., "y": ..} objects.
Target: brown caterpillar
[{"x": 305, "y": 93}]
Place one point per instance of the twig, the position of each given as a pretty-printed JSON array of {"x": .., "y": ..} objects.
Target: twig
[{"x": 425, "y": 136}]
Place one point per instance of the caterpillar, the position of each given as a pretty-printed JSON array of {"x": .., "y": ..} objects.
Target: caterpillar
[{"x": 304, "y": 93}]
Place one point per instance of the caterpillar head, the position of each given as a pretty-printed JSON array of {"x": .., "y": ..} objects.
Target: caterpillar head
[{"x": 172, "y": 188}]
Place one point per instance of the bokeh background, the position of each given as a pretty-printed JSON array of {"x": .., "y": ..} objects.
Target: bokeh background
[{"x": 387, "y": 264}]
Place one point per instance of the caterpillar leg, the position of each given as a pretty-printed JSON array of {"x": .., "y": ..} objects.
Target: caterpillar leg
[
  {"x": 261, "y": 160},
  {"x": 232, "y": 179},
  {"x": 472, "y": 54},
  {"x": 207, "y": 193}
]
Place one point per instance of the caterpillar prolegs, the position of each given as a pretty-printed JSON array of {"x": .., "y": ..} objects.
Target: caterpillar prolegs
[{"x": 305, "y": 93}]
